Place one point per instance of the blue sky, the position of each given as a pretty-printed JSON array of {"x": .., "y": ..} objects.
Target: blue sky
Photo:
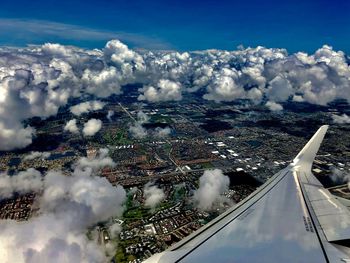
[{"x": 182, "y": 25}]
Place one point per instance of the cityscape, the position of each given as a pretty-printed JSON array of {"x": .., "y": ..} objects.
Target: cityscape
[{"x": 166, "y": 158}]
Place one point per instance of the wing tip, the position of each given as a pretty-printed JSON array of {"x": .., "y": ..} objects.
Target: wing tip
[{"x": 307, "y": 155}]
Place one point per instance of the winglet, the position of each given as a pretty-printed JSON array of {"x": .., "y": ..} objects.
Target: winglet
[{"x": 307, "y": 155}]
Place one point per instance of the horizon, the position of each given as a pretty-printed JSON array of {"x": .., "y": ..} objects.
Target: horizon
[{"x": 166, "y": 25}]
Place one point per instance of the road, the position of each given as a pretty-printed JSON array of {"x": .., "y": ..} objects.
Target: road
[{"x": 127, "y": 112}]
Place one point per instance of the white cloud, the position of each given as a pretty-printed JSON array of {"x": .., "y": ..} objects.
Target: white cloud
[
  {"x": 95, "y": 193},
  {"x": 91, "y": 127},
  {"x": 225, "y": 87},
  {"x": 71, "y": 126},
  {"x": 279, "y": 89},
  {"x": 212, "y": 184},
  {"x": 137, "y": 130},
  {"x": 298, "y": 98},
  {"x": 24, "y": 182},
  {"x": 165, "y": 90},
  {"x": 85, "y": 107},
  {"x": 68, "y": 207},
  {"x": 36, "y": 155},
  {"x": 203, "y": 75},
  {"x": 99, "y": 161},
  {"x": 119, "y": 53},
  {"x": 38, "y": 80},
  {"x": 153, "y": 195},
  {"x": 342, "y": 119},
  {"x": 142, "y": 117},
  {"x": 15, "y": 138},
  {"x": 162, "y": 132},
  {"x": 273, "y": 106},
  {"x": 340, "y": 177},
  {"x": 102, "y": 83}
]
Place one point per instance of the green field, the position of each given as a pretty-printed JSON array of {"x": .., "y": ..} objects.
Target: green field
[
  {"x": 118, "y": 138},
  {"x": 161, "y": 119},
  {"x": 207, "y": 165}
]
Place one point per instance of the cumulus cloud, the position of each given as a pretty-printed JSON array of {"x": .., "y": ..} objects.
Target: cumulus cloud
[
  {"x": 224, "y": 86},
  {"x": 102, "y": 83},
  {"x": 142, "y": 117},
  {"x": 153, "y": 195},
  {"x": 91, "y": 127},
  {"x": 68, "y": 206},
  {"x": 137, "y": 130},
  {"x": 165, "y": 90},
  {"x": 162, "y": 132},
  {"x": 274, "y": 106},
  {"x": 342, "y": 119},
  {"x": 15, "y": 137},
  {"x": 38, "y": 80},
  {"x": 24, "y": 182},
  {"x": 279, "y": 89},
  {"x": 71, "y": 126},
  {"x": 119, "y": 54},
  {"x": 340, "y": 177},
  {"x": 37, "y": 155},
  {"x": 28, "y": 88},
  {"x": 212, "y": 184},
  {"x": 98, "y": 199},
  {"x": 318, "y": 79},
  {"x": 95, "y": 163},
  {"x": 85, "y": 107}
]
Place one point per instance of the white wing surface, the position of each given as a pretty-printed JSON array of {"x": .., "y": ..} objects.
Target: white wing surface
[{"x": 291, "y": 218}]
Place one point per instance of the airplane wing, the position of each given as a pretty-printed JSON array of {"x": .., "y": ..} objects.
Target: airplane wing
[{"x": 290, "y": 218}]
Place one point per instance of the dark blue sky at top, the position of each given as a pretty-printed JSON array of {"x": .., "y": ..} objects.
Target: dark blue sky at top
[{"x": 182, "y": 25}]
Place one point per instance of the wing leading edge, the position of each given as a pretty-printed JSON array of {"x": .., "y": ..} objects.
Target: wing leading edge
[{"x": 291, "y": 218}]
